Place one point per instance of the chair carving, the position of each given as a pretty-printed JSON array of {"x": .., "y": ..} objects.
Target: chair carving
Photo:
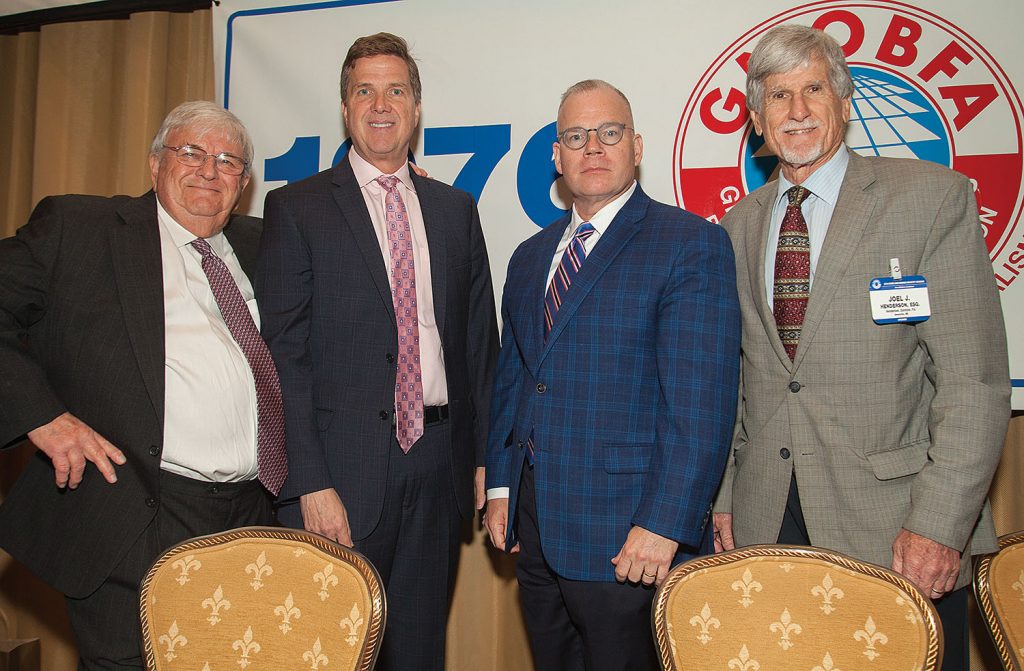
[{"x": 999, "y": 588}]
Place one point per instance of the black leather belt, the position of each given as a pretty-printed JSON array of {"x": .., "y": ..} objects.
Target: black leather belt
[{"x": 434, "y": 414}]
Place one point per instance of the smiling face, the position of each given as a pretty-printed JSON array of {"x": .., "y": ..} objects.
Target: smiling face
[
  {"x": 597, "y": 174},
  {"x": 803, "y": 122},
  {"x": 380, "y": 111},
  {"x": 200, "y": 199}
]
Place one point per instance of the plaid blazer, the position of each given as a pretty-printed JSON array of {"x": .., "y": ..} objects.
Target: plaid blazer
[
  {"x": 631, "y": 397},
  {"x": 887, "y": 426}
]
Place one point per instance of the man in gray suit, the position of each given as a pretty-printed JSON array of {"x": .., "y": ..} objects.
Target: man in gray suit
[{"x": 867, "y": 425}]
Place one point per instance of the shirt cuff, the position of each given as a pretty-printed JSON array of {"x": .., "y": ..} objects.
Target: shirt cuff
[{"x": 497, "y": 493}]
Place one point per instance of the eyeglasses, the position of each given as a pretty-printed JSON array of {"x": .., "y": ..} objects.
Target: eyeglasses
[
  {"x": 193, "y": 157},
  {"x": 607, "y": 133}
]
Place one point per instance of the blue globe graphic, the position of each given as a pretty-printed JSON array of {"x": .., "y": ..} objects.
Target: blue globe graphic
[{"x": 888, "y": 117}]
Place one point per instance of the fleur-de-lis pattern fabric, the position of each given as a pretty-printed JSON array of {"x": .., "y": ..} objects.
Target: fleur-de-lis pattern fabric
[
  {"x": 1004, "y": 593},
  {"x": 258, "y": 605},
  {"x": 798, "y": 615}
]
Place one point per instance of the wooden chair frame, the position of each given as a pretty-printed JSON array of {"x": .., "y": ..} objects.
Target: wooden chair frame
[
  {"x": 378, "y": 603},
  {"x": 659, "y": 621},
  {"x": 983, "y": 593}
]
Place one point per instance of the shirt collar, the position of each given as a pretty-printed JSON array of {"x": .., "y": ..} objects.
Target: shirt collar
[
  {"x": 603, "y": 218},
  {"x": 825, "y": 182},
  {"x": 182, "y": 237},
  {"x": 366, "y": 173}
]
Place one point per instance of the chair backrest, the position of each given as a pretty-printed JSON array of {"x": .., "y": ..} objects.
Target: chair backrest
[
  {"x": 264, "y": 597},
  {"x": 768, "y": 607},
  {"x": 999, "y": 587}
]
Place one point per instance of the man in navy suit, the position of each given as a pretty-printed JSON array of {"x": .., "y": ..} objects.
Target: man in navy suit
[
  {"x": 379, "y": 311},
  {"x": 614, "y": 396}
]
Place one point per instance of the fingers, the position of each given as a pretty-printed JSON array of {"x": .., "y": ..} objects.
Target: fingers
[
  {"x": 496, "y": 521},
  {"x": 478, "y": 488},
  {"x": 723, "y": 532},
  {"x": 70, "y": 443},
  {"x": 931, "y": 566}
]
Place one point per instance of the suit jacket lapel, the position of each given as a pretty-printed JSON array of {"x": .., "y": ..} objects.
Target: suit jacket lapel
[
  {"x": 246, "y": 249},
  {"x": 353, "y": 209},
  {"x": 135, "y": 245},
  {"x": 756, "y": 271},
  {"x": 535, "y": 271},
  {"x": 434, "y": 224},
  {"x": 619, "y": 232},
  {"x": 853, "y": 211}
]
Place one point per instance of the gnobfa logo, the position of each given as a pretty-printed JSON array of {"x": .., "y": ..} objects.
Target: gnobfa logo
[{"x": 924, "y": 89}]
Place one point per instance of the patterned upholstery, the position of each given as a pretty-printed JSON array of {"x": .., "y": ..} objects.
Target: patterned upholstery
[
  {"x": 999, "y": 586},
  {"x": 261, "y": 598},
  {"x": 785, "y": 608}
]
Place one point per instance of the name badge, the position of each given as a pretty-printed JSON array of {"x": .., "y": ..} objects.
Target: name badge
[{"x": 899, "y": 301}]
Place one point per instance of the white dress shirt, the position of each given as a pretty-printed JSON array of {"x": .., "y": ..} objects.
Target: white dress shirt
[
  {"x": 601, "y": 220},
  {"x": 435, "y": 385},
  {"x": 824, "y": 184},
  {"x": 209, "y": 392}
]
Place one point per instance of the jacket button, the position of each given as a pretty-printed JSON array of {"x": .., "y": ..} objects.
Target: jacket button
[
  {"x": 383, "y": 414},
  {"x": 794, "y": 386},
  {"x": 520, "y": 445},
  {"x": 151, "y": 502},
  {"x": 541, "y": 387},
  {"x": 784, "y": 453},
  {"x": 389, "y": 357},
  {"x": 154, "y": 450}
]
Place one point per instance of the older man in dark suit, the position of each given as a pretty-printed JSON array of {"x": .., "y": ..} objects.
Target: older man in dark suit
[
  {"x": 131, "y": 359},
  {"x": 379, "y": 311}
]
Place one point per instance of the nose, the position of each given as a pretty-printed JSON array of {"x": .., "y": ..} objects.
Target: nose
[
  {"x": 798, "y": 108},
  {"x": 381, "y": 102},
  {"x": 593, "y": 145},
  {"x": 208, "y": 169}
]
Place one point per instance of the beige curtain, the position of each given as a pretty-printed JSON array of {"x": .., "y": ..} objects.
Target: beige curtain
[{"x": 79, "y": 104}]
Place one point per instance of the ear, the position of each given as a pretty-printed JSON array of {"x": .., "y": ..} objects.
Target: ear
[
  {"x": 556, "y": 156},
  {"x": 638, "y": 148},
  {"x": 416, "y": 115},
  {"x": 846, "y": 110},
  {"x": 755, "y": 117},
  {"x": 154, "y": 168}
]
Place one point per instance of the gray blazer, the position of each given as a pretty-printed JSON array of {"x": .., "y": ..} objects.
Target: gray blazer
[{"x": 886, "y": 426}]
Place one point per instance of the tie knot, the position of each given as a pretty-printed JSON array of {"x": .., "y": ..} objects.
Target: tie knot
[
  {"x": 584, "y": 231},
  {"x": 388, "y": 181},
  {"x": 797, "y": 195},
  {"x": 203, "y": 247}
]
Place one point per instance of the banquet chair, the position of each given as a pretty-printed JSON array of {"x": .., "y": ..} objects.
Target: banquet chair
[
  {"x": 261, "y": 598},
  {"x": 999, "y": 588},
  {"x": 782, "y": 607}
]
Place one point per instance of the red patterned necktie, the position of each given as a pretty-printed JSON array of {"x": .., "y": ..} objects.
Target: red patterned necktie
[
  {"x": 409, "y": 379},
  {"x": 792, "y": 272},
  {"x": 573, "y": 257},
  {"x": 271, "y": 460}
]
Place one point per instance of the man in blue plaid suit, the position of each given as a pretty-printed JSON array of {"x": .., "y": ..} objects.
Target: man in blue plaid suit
[{"x": 614, "y": 398}]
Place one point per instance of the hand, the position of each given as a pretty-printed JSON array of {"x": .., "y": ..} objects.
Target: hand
[
  {"x": 324, "y": 513},
  {"x": 422, "y": 172},
  {"x": 645, "y": 557},
  {"x": 480, "y": 494},
  {"x": 723, "y": 532},
  {"x": 496, "y": 521},
  {"x": 69, "y": 443},
  {"x": 930, "y": 565}
]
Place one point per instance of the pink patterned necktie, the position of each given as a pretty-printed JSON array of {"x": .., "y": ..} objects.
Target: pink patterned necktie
[
  {"x": 409, "y": 379},
  {"x": 271, "y": 460},
  {"x": 792, "y": 272}
]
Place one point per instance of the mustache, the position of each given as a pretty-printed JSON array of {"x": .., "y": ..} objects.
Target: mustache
[{"x": 794, "y": 125}]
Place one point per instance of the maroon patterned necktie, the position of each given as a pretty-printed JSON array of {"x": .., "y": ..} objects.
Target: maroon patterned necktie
[
  {"x": 792, "y": 272},
  {"x": 409, "y": 379},
  {"x": 271, "y": 460}
]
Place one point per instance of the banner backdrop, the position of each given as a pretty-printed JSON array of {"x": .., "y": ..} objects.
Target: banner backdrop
[{"x": 936, "y": 81}]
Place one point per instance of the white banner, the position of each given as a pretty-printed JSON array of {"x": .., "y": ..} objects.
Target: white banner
[{"x": 937, "y": 83}]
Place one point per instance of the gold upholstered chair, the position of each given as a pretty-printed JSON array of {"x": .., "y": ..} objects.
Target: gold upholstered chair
[
  {"x": 787, "y": 608},
  {"x": 999, "y": 587},
  {"x": 261, "y": 598}
]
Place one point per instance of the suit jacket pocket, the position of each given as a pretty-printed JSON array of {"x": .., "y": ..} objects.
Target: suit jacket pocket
[
  {"x": 907, "y": 459},
  {"x": 323, "y": 418},
  {"x": 627, "y": 457}
]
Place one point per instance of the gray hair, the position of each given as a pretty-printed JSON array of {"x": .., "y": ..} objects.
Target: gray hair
[
  {"x": 785, "y": 48},
  {"x": 202, "y": 117},
  {"x": 588, "y": 85}
]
